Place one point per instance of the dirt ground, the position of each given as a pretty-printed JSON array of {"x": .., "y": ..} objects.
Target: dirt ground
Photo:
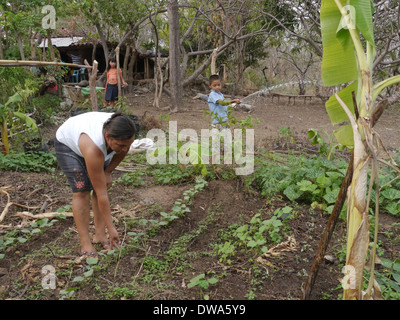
[
  {"x": 280, "y": 278},
  {"x": 299, "y": 116}
]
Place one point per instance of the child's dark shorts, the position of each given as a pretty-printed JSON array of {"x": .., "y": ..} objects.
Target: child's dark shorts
[
  {"x": 74, "y": 168},
  {"x": 111, "y": 92}
]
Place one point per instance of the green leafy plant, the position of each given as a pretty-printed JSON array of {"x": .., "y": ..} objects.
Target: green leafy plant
[
  {"x": 29, "y": 161},
  {"x": 326, "y": 148},
  {"x": 248, "y": 122},
  {"x": 68, "y": 293},
  {"x": 90, "y": 268},
  {"x": 9, "y": 110},
  {"x": 191, "y": 151},
  {"x": 310, "y": 179},
  {"x": 121, "y": 292},
  {"x": 45, "y": 108},
  {"x": 285, "y": 137},
  {"x": 254, "y": 236},
  {"x": 181, "y": 206},
  {"x": 172, "y": 174},
  {"x": 132, "y": 179},
  {"x": 21, "y": 236},
  {"x": 226, "y": 250},
  {"x": 322, "y": 191},
  {"x": 258, "y": 232},
  {"x": 390, "y": 279},
  {"x": 202, "y": 283},
  {"x": 179, "y": 209}
]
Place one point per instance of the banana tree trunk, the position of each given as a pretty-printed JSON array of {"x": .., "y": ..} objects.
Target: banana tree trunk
[
  {"x": 357, "y": 211},
  {"x": 4, "y": 137},
  {"x": 358, "y": 227},
  {"x": 358, "y": 206}
]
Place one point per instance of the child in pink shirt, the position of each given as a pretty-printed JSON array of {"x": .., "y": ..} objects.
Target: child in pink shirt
[{"x": 112, "y": 83}]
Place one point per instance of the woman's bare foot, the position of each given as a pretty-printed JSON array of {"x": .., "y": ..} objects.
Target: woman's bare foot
[
  {"x": 89, "y": 254},
  {"x": 88, "y": 251}
]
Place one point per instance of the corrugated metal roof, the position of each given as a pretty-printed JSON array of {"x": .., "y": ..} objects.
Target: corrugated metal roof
[{"x": 61, "y": 42}]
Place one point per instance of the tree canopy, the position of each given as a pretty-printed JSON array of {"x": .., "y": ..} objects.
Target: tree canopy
[{"x": 240, "y": 32}]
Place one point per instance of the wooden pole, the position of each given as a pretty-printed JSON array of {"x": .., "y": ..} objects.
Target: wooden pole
[
  {"x": 22, "y": 63},
  {"x": 92, "y": 84}
]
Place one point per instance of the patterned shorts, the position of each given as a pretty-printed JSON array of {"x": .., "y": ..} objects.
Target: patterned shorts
[{"x": 74, "y": 168}]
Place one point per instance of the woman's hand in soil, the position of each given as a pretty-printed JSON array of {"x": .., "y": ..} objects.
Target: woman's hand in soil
[{"x": 114, "y": 238}]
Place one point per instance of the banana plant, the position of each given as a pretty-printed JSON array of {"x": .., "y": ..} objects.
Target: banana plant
[
  {"x": 9, "y": 110},
  {"x": 348, "y": 55}
]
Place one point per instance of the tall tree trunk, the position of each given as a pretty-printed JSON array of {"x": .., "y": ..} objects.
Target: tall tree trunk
[
  {"x": 214, "y": 61},
  {"x": 118, "y": 73},
  {"x": 240, "y": 48},
  {"x": 126, "y": 60},
  {"x": 174, "y": 55},
  {"x": 94, "y": 51},
  {"x": 50, "y": 46},
  {"x": 20, "y": 46},
  {"x": 132, "y": 63},
  {"x": 1, "y": 46},
  {"x": 33, "y": 47},
  {"x": 103, "y": 42}
]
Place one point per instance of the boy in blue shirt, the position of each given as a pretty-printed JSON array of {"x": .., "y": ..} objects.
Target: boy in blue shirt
[
  {"x": 217, "y": 103},
  {"x": 219, "y": 109}
]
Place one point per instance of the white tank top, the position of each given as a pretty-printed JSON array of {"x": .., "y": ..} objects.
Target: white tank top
[{"x": 90, "y": 123}]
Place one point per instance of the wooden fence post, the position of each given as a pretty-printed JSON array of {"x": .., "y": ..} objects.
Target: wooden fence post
[{"x": 92, "y": 84}]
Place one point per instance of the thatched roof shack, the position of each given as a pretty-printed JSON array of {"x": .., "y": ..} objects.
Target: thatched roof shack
[
  {"x": 139, "y": 65},
  {"x": 70, "y": 47}
]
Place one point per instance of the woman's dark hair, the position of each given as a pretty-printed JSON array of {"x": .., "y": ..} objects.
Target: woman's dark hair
[
  {"x": 111, "y": 60},
  {"x": 120, "y": 127}
]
